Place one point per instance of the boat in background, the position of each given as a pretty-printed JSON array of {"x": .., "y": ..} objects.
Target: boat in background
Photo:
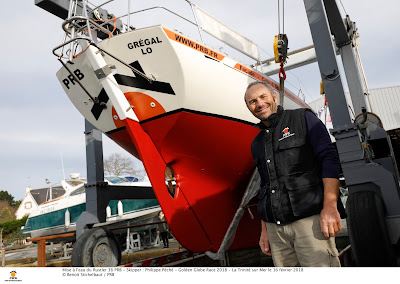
[
  {"x": 59, "y": 215},
  {"x": 177, "y": 105}
]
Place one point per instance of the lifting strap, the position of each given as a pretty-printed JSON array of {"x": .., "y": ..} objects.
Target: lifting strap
[
  {"x": 322, "y": 92},
  {"x": 251, "y": 191}
]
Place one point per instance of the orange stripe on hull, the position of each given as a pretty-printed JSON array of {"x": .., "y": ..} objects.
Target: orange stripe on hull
[
  {"x": 192, "y": 44},
  {"x": 274, "y": 85},
  {"x": 143, "y": 105}
]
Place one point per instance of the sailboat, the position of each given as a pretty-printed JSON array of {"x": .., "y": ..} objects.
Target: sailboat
[{"x": 177, "y": 105}]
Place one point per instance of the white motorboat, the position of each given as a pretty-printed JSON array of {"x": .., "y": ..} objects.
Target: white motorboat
[{"x": 59, "y": 215}]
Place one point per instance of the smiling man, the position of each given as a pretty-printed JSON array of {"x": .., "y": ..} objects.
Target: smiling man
[{"x": 299, "y": 168}]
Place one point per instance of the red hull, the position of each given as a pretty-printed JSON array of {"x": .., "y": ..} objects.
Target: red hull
[{"x": 212, "y": 163}]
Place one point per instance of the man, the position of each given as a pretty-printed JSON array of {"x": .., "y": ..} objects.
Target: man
[
  {"x": 299, "y": 168},
  {"x": 162, "y": 229}
]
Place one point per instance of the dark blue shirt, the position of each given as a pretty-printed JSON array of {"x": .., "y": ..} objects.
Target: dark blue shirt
[{"x": 320, "y": 141}]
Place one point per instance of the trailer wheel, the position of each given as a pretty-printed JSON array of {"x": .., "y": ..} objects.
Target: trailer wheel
[
  {"x": 368, "y": 234},
  {"x": 97, "y": 247}
]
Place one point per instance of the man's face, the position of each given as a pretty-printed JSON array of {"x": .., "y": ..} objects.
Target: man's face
[{"x": 261, "y": 102}]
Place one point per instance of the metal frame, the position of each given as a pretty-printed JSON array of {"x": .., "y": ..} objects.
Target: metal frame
[
  {"x": 98, "y": 192},
  {"x": 358, "y": 169}
]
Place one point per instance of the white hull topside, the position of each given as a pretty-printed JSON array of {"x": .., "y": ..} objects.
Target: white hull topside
[{"x": 187, "y": 75}]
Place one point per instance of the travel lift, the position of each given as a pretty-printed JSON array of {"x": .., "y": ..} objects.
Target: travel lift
[{"x": 364, "y": 148}]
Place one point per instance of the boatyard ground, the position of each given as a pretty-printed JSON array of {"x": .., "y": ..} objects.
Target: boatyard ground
[{"x": 27, "y": 257}]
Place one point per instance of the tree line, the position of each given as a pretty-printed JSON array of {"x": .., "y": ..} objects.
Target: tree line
[
  {"x": 11, "y": 228},
  {"x": 8, "y": 206},
  {"x": 118, "y": 165}
]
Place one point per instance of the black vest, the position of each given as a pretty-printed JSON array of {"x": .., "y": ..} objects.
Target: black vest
[{"x": 291, "y": 182}]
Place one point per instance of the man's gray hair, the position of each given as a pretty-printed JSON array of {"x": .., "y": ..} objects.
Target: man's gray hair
[{"x": 259, "y": 82}]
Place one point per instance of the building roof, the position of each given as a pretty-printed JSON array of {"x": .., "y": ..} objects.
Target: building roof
[{"x": 384, "y": 103}]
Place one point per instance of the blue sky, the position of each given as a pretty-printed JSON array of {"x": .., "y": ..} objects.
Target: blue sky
[{"x": 38, "y": 124}]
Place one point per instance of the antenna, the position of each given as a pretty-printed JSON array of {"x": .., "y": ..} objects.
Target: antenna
[{"x": 62, "y": 164}]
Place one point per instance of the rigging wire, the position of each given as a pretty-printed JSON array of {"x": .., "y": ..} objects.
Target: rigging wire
[
  {"x": 307, "y": 94},
  {"x": 98, "y": 6},
  {"x": 283, "y": 17},
  {"x": 359, "y": 62},
  {"x": 279, "y": 19},
  {"x": 265, "y": 52},
  {"x": 343, "y": 7},
  {"x": 280, "y": 51}
]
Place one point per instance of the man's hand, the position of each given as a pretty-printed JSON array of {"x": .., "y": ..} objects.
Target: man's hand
[
  {"x": 330, "y": 221},
  {"x": 264, "y": 241},
  {"x": 330, "y": 217}
]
